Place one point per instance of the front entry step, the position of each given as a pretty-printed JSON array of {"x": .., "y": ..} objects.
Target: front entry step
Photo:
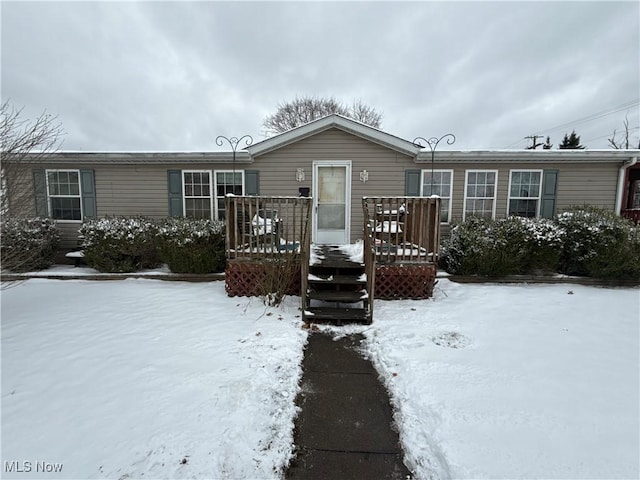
[
  {"x": 336, "y": 291},
  {"x": 337, "y": 316},
  {"x": 338, "y": 296}
]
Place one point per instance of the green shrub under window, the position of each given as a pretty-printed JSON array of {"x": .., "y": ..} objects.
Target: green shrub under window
[
  {"x": 582, "y": 241},
  {"x": 120, "y": 244},
  {"x": 599, "y": 243},
  {"x": 193, "y": 245},
  {"x": 28, "y": 243}
]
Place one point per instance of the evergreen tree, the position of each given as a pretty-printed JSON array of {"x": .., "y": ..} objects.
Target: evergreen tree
[
  {"x": 547, "y": 145},
  {"x": 571, "y": 142}
]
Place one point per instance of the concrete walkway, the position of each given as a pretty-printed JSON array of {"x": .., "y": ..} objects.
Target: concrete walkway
[{"x": 344, "y": 430}]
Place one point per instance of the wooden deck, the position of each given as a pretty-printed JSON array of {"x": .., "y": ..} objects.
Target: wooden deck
[{"x": 273, "y": 234}]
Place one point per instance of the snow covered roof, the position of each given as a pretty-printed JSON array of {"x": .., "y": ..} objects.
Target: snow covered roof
[
  {"x": 334, "y": 121},
  {"x": 538, "y": 156},
  {"x": 138, "y": 158}
]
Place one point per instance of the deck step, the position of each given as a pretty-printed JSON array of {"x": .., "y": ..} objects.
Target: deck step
[
  {"x": 336, "y": 315},
  {"x": 336, "y": 261},
  {"x": 337, "y": 279},
  {"x": 338, "y": 296}
]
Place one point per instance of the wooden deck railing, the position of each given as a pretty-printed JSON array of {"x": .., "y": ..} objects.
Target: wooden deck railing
[
  {"x": 369, "y": 258},
  {"x": 403, "y": 229},
  {"x": 400, "y": 230},
  {"x": 631, "y": 214},
  {"x": 262, "y": 227}
]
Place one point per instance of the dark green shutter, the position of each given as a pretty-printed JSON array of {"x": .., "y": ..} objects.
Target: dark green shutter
[
  {"x": 88, "y": 189},
  {"x": 40, "y": 190},
  {"x": 174, "y": 182},
  {"x": 252, "y": 182},
  {"x": 412, "y": 183},
  {"x": 549, "y": 187}
]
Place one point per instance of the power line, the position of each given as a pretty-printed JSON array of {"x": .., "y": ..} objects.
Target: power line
[
  {"x": 589, "y": 118},
  {"x": 595, "y": 116},
  {"x": 609, "y": 135}
]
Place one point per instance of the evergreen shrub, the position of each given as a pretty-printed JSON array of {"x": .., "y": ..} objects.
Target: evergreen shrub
[
  {"x": 120, "y": 244},
  {"x": 599, "y": 243},
  {"x": 586, "y": 241},
  {"x": 28, "y": 243},
  {"x": 482, "y": 246},
  {"x": 192, "y": 245}
]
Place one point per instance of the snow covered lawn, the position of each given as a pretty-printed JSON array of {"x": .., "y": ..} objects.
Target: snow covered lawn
[
  {"x": 146, "y": 379},
  {"x": 514, "y": 381},
  {"x": 152, "y": 379}
]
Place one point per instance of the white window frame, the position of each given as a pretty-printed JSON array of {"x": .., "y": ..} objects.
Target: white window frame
[
  {"x": 450, "y": 197},
  {"x": 210, "y": 196},
  {"x": 215, "y": 186},
  {"x": 466, "y": 184},
  {"x": 538, "y": 198},
  {"x": 49, "y": 196}
]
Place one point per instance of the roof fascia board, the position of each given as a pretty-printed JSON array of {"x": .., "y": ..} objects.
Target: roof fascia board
[
  {"x": 135, "y": 158},
  {"x": 541, "y": 156}
]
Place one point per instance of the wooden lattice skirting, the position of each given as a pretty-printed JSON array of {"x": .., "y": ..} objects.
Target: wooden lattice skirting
[
  {"x": 247, "y": 279},
  {"x": 394, "y": 282}
]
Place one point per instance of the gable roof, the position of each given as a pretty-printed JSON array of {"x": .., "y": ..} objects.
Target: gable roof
[{"x": 341, "y": 123}]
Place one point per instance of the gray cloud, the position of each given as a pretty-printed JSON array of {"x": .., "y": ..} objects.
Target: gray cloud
[{"x": 174, "y": 75}]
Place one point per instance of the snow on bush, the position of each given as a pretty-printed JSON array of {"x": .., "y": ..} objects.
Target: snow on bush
[
  {"x": 515, "y": 245},
  {"x": 28, "y": 243},
  {"x": 599, "y": 243},
  {"x": 128, "y": 244},
  {"x": 582, "y": 241},
  {"x": 120, "y": 244},
  {"x": 190, "y": 245}
]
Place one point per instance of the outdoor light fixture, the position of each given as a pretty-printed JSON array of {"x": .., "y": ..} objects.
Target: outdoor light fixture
[
  {"x": 364, "y": 176},
  {"x": 432, "y": 143},
  {"x": 300, "y": 174}
]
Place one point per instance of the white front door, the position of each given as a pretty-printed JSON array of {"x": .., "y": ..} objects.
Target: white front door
[{"x": 331, "y": 202}]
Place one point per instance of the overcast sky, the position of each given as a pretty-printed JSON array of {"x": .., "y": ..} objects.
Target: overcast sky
[{"x": 174, "y": 75}]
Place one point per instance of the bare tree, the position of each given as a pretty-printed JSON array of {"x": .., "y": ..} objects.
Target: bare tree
[
  {"x": 306, "y": 109},
  {"x": 23, "y": 140},
  {"x": 365, "y": 114},
  {"x": 27, "y": 242},
  {"x": 624, "y": 143}
]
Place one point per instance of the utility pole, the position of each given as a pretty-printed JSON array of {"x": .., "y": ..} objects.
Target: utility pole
[{"x": 535, "y": 143}]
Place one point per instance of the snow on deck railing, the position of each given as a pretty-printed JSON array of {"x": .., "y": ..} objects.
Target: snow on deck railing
[
  {"x": 260, "y": 227},
  {"x": 403, "y": 229}
]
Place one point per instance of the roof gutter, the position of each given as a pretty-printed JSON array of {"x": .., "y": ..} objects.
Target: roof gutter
[{"x": 621, "y": 174}]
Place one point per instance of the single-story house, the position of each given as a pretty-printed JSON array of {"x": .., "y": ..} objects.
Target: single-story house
[{"x": 336, "y": 161}]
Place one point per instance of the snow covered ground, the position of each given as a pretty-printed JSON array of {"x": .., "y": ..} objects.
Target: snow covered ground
[
  {"x": 150, "y": 379},
  {"x": 146, "y": 379},
  {"x": 514, "y": 381}
]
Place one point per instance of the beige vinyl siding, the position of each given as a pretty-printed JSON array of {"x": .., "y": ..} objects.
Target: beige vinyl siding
[
  {"x": 69, "y": 234},
  {"x": 132, "y": 190},
  {"x": 587, "y": 184},
  {"x": 128, "y": 190},
  {"x": 386, "y": 169},
  {"x": 578, "y": 184}
]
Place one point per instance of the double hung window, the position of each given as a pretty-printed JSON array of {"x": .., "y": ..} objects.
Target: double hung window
[
  {"x": 480, "y": 193},
  {"x": 197, "y": 193},
  {"x": 204, "y": 191},
  {"x": 227, "y": 182},
  {"x": 441, "y": 184},
  {"x": 524, "y": 193},
  {"x": 63, "y": 194}
]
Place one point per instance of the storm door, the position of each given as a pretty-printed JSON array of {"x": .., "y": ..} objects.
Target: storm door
[{"x": 331, "y": 201}]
